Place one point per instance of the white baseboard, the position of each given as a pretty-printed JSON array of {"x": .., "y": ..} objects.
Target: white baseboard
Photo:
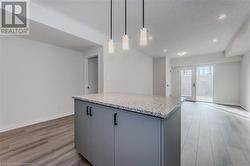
[
  {"x": 32, "y": 122},
  {"x": 248, "y": 110},
  {"x": 228, "y": 104}
]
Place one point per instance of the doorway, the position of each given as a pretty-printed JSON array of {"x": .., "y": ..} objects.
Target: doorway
[
  {"x": 204, "y": 80},
  {"x": 92, "y": 76}
]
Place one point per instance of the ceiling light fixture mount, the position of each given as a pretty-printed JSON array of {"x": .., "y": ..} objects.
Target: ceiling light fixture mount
[{"x": 165, "y": 50}]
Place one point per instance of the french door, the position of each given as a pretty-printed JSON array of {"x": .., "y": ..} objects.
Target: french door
[{"x": 188, "y": 83}]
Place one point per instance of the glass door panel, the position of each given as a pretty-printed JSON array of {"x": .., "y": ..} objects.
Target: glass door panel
[
  {"x": 186, "y": 83},
  {"x": 188, "y": 78}
]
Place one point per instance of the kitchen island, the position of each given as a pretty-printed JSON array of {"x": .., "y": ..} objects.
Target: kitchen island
[{"x": 116, "y": 129}]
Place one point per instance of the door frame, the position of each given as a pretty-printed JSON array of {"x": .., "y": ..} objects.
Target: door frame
[
  {"x": 94, "y": 52},
  {"x": 87, "y": 73}
]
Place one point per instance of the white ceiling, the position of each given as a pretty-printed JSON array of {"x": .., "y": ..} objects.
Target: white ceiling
[
  {"x": 43, "y": 33},
  {"x": 177, "y": 25}
]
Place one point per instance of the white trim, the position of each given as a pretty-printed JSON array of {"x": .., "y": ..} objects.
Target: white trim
[{"x": 227, "y": 104}]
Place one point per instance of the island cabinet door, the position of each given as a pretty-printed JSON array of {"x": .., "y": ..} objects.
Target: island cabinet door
[
  {"x": 137, "y": 140},
  {"x": 102, "y": 136},
  {"x": 82, "y": 129}
]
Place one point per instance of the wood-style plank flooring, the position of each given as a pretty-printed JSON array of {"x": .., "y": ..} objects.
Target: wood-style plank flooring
[
  {"x": 210, "y": 137},
  {"x": 50, "y": 143}
]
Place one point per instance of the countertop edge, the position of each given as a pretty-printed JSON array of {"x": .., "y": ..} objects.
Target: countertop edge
[{"x": 145, "y": 112}]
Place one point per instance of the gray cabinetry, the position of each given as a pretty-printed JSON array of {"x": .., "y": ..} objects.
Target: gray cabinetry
[
  {"x": 102, "y": 136},
  {"x": 137, "y": 140},
  {"x": 82, "y": 129},
  {"x": 107, "y": 136},
  {"x": 94, "y": 133}
]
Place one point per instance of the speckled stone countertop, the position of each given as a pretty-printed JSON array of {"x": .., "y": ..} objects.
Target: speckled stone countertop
[{"x": 158, "y": 106}]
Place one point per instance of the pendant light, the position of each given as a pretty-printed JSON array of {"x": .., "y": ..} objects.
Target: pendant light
[
  {"x": 143, "y": 31},
  {"x": 111, "y": 48},
  {"x": 125, "y": 40}
]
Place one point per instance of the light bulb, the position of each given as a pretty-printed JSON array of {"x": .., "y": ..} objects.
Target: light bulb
[
  {"x": 143, "y": 37},
  {"x": 125, "y": 42},
  {"x": 111, "y": 48}
]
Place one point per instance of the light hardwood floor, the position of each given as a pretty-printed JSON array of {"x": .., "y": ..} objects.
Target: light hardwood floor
[
  {"x": 209, "y": 138},
  {"x": 50, "y": 143}
]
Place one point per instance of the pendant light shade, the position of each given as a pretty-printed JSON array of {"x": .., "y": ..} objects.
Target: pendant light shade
[
  {"x": 143, "y": 37},
  {"x": 125, "y": 40},
  {"x": 143, "y": 30},
  {"x": 111, "y": 48}
]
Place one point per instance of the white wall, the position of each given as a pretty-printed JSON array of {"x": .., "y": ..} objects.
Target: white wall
[
  {"x": 227, "y": 78},
  {"x": 128, "y": 72},
  {"x": 39, "y": 82},
  {"x": 159, "y": 76},
  {"x": 226, "y": 75},
  {"x": 124, "y": 71},
  {"x": 245, "y": 82}
]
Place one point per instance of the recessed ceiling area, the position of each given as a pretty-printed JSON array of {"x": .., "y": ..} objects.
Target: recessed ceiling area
[
  {"x": 191, "y": 26},
  {"x": 46, "y": 34}
]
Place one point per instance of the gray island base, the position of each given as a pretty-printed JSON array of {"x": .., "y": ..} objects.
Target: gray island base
[{"x": 128, "y": 130}]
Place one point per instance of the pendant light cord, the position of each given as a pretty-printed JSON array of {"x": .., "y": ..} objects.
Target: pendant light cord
[
  {"x": 125, "y": 17},
  {"x": 111, "y": 19},
  {"x": 143, "y": 22}
]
